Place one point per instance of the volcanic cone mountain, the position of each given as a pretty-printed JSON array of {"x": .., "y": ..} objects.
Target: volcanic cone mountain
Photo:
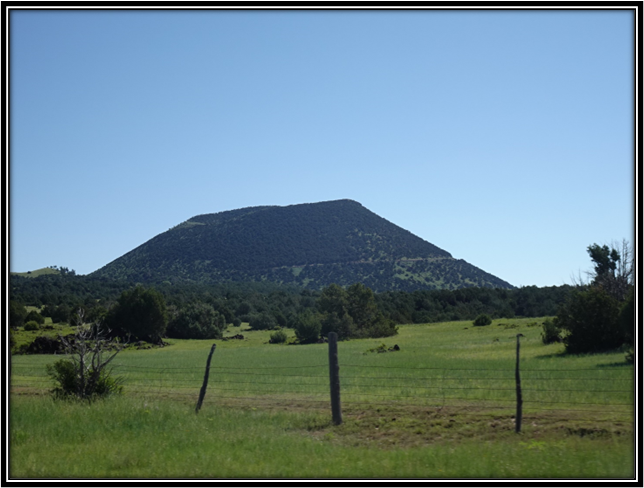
[{"x": 310, "y": 245}]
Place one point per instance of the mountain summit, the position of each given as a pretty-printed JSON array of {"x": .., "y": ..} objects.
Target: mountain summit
[{"x": 312, "y": 245}]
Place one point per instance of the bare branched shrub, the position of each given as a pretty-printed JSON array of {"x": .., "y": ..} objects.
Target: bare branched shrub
[{"x": 86, "y": 373}]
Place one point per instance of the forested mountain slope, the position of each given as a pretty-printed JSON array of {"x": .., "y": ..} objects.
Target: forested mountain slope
[{"x": 309, "y": 245}]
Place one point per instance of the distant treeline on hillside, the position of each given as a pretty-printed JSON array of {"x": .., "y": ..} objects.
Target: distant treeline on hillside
[{"x": 239, "y": 301}]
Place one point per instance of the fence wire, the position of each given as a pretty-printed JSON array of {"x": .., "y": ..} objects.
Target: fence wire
[{"x": 581, "y": 392}]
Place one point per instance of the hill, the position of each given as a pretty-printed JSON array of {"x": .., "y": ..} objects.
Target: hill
[
  {"x": 309, "y": 245},
  {"x": 37, "y": 272}
]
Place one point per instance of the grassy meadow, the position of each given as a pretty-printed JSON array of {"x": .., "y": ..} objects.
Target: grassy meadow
[{"x": 442, "y": 406}]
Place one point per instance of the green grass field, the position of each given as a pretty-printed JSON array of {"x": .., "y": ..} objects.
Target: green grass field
[
  {"x": 37, "y": 272},
  {"x": 442, "y": 406}
]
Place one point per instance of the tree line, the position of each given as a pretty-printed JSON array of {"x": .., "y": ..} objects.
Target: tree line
[
  {"x": 588, "y": 316},
  {"x": 200, "y": 311}
]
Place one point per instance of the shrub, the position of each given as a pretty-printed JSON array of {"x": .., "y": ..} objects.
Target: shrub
[
  {"x": 237, "y": 322},
  {"x": 307, "y": 327},
  {"x": 483, "y": 319},
  {"x": 86, "y": 374},
  {"x": 98, "y": 383},
  {"x": 382, "y": 328},
  {"x": 32, "y": 325},
  {"x": 551, "y": 332},
  {"x": 278, "y": 337}
]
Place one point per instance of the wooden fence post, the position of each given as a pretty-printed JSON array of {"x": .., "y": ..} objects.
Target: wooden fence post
[
  {"x": 517, "y": 377},
  {"x": 334, "y": 376},
  {"x": 202, "y": 393}
]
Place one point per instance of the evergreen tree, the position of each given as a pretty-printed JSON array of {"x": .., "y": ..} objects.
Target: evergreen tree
[
  {"x": 590, "y": 320},
  {"x": 196, "y": 321},
  {"x": 139, "y": 314}
]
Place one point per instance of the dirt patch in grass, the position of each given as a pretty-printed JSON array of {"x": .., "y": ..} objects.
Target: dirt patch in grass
[
  {"x": 396, "y": 427},
  {"x": 399, "y": 425}
]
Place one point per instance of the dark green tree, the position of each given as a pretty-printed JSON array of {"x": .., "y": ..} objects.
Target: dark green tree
[
  {"x": 196, "y": 321},
  {"x": 605, "y": 259},
  {"x": 307, "y": 327},
  {"x": 627, "y": 317},
  {"x": 262, "y": 321},
  {"x": 362, "y": 306},
  {"x": 343, "y": 326},
  {"x": 612, "y": 268},
  {"x": 368, "y": 319},
  {"x": 590, "y": 320},
  {"x": 333, "y": 299},
  {"x": 626, "y": 322},
  {"x": 333, "y": 305},
  {"x": 140, "y": 314},
  {"x": 17, "y": 314},
  {"x": 35, "y": 316},
  {"x": 61, "y": 314},
  {"x": 353, "y": 313}
]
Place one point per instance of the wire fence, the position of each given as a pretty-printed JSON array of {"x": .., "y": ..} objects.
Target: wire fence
[{"x": 589, "y": 394}]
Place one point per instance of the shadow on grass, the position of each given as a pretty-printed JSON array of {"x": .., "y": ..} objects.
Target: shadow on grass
[{"x": 564, "y": 354}]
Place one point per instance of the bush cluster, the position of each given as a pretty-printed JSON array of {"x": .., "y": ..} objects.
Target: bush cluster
[
  {"x": 551, "y": 332},
  {"x": 65, "y": 373},
  {"x": 482, "y": 319},
  {"x": 278, "y": 337},
  {"x": 32, "y": 325},
  {"x": 196, "y": 321}
]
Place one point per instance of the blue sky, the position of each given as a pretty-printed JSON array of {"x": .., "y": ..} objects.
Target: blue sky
[{"x": 503, "y": 137}]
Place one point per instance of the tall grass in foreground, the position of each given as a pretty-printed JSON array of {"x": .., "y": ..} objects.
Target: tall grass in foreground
[{"x": 133, "y": 438}]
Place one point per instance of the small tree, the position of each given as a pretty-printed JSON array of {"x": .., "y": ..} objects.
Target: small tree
[
  {"x": 262, "y": 321},
  {"x": 61, "y": 314},
  {"x": 592, "y": 318},
  {"x": 307, "y": 327},
  {"x": 87, "y": 373},
  {"x": 17, "y": 314},
  {"x": 353, "y": 313},
  {"x": 35, "y": 316},
  {"x": 612, "y": 268},
  {"x": 140, "y": 314},
  {"x": 551, "y": 332},
  {"x": 343, "y": 326},
  {"x": 197, "y": 321}
]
